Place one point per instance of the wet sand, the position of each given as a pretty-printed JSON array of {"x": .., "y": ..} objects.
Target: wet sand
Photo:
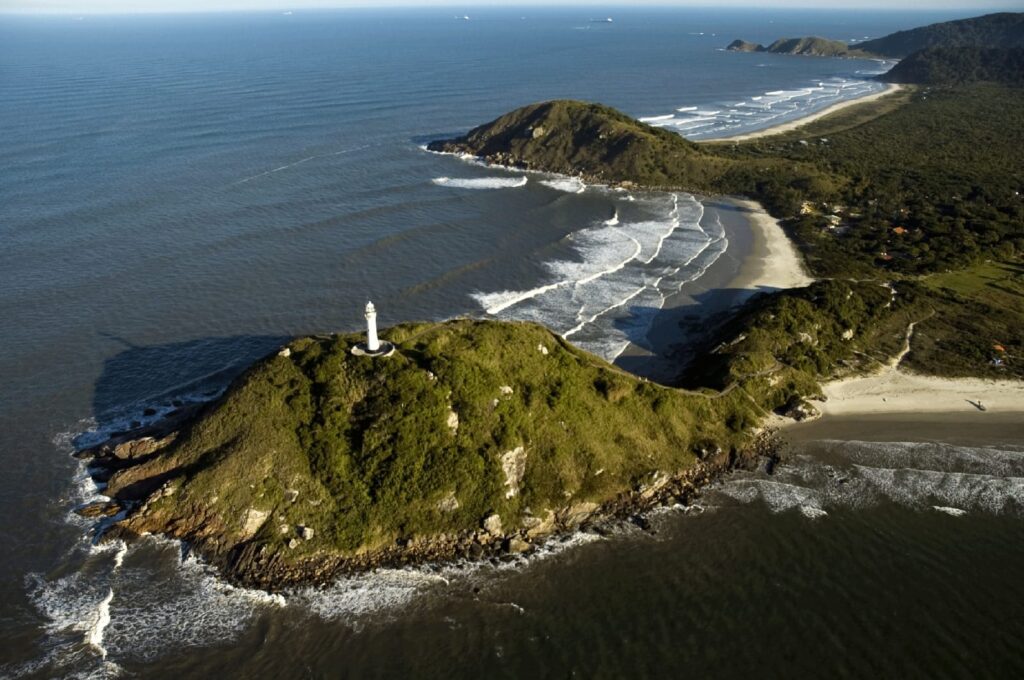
[
  {"x": 760, "y": 258},
  {"x": 959, "y": 428}
]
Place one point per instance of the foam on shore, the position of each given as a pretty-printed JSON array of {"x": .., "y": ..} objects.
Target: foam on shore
[
  {"x": 768, "y": 109},
  {"x": 481, "y": 182},
  {"x": 607, "y": 295},
  {"x": 923, "y": 476}
]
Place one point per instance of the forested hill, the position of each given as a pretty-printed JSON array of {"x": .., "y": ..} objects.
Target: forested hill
[
  {"x": 1002, "y": 30},
  {"x": 959, "y": 65},
  {"x": 589, "y": 140}
]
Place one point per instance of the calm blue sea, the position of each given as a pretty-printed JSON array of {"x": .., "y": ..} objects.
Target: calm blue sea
[{"x": 180, "y": 193}]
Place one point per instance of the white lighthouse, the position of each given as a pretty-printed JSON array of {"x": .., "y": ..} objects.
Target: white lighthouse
[
  {"x": 373, "y": 347},
  {"x": 372, "y": 343}
]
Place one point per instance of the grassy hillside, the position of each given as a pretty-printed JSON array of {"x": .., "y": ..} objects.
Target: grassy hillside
[
  {"x": 579, "y": 138},
  {"x": 466, "y": 420}
]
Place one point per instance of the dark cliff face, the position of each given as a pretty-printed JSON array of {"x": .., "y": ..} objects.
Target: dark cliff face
[
  {"x": 959, "y": 66},
  {"x": 1002, "y": 30}
]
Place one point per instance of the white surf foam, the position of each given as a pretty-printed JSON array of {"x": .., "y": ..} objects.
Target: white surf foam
[
  {"x": 924, "y": 476},
  {"x": 572, "y": 185},
  {"x": 652, "y": 119},
  {"x": 97, "y": 622},
  {"x": 623, "y": 272},
  {"x": 481, "y": 182}
]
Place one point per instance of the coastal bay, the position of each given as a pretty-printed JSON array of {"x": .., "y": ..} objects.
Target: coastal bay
[{"x": 151, "y": 261}]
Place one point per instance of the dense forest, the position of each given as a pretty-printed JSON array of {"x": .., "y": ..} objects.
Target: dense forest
[
  {"x": 960, "y": 65},
  {"x": 1002, "y": 30},
  {"x": 933, "y": 185}
]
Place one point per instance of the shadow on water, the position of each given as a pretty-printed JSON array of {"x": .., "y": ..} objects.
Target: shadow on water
[
  {"x": 144, "y": 382},
  {"x": 668, "y": 339}
]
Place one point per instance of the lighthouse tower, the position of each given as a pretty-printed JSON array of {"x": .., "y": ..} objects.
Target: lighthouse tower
[
  {"x": 372, "y": 343},
  {"x": 373, "y": 347}
]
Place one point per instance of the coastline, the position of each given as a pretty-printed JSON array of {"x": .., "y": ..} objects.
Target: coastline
[
  {"x": 774, "y": 263},
  {"x": 891, "y": 88},
  {"x": 896, "y": 391},
  {"x": 760, "y": 259},
  {"x": 960, "y": 428}
]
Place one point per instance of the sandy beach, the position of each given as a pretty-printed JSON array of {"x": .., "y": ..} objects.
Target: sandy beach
[
  {"x": 799, "y": 122},
  {"x": 896, "y": 391},
  {"x": 760, "y": 258},
  {"x": 773, "y": 262}
]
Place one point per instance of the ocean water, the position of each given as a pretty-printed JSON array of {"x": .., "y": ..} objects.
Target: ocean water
[{"x": 180, "y": 194}]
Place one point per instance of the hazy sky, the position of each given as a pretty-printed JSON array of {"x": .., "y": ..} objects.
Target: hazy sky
[{"x": 131, "y": 6}]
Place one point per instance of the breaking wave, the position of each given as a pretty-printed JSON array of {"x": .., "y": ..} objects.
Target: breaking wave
[
  {"x": 953, "y": 480},
  {"x": 570, "y": 185},
  {"x": 606, "y": 296},
  {"x": 481, "y": 182},
  {"x": 767, "y": 109}
]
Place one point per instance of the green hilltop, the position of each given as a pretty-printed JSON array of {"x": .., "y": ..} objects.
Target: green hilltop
[{"x": 467, "y": 420}]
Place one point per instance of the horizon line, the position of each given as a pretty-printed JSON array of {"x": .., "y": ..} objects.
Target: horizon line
[{"x": 613, "y": 4}]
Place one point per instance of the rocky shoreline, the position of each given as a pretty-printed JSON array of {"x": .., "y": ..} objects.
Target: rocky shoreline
[{"x": 125, "y": 516}]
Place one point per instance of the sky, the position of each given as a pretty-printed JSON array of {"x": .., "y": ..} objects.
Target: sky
[{"x": 143, "y": 6}]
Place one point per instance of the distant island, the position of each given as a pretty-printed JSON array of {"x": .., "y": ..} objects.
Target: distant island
[
  {"x": 480, "y": 438},
  {"x": 809, "y": 46}
]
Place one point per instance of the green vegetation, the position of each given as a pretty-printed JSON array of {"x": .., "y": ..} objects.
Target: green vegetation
[
  {"x": 960, "y": 65},
  {"x": 929, "y": 186},
  {"x": 915, "y": 184},
  {"x": 778, "y": 347},
  {"x": 578, "y": 138},
  {"x": 1004, "y": 30},
  {"x": 978, "y": 325},
  {"x": 368, "y": 452},
  {"x": 1001, "y": 30}
]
